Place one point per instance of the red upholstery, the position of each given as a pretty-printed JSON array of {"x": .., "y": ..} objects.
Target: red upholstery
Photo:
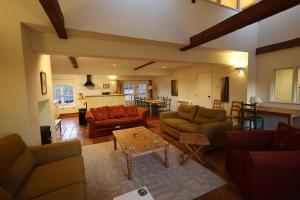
[
  {"x": 286, "y": 138},
  {"x": 131, "y": 111},
  {"x": 116, "y": 111},
  {"x": 260, "y": 173},
  {"x": 100, "y": 113},
  {"x": 100, "y": 127}
]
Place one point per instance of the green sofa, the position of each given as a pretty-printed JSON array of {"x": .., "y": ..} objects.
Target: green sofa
[
  {"x": 199, "y": 120},
  {"x": 52, "y": 171}
]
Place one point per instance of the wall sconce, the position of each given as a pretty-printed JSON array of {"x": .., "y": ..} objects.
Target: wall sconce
[{"x": 239, "y": 69}]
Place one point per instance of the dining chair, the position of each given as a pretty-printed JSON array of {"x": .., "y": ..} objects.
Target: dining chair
[
  {"x": 218, "y": 105},
  {"x": 235, "y": 113},
  {"x": 249, "y": 116}
]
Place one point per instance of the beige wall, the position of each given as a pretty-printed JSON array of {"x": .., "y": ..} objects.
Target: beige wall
[
  {"x": 186, "y": 77},
  {"x": 15, "y": 111},
  {"x": 41, "y": 107}
]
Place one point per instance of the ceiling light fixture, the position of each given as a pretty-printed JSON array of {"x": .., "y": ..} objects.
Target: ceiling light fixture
[
  {"x": 164, "y": 67},
  {"x": 114, "y": 65}
]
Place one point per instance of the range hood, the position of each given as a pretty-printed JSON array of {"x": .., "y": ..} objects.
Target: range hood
[{"x": 89, "y": 82}]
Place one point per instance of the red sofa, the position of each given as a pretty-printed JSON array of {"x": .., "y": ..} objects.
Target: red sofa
[
  {"x": 102, "y": 121},
  {"x": 265, "y": 165}
]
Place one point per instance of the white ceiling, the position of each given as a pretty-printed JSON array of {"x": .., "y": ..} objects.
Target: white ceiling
[{"x": 61, "y": 64}]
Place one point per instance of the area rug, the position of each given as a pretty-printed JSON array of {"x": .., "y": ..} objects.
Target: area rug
[{"x": 106, "y": 175}]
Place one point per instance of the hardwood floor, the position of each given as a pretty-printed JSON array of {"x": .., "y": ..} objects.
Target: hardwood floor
[{"x": 214, "y": 161}]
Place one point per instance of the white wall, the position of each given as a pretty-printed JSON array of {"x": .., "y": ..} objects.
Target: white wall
[
  {"x": 281, "y": 27},
  {"x": 266, "y": 64},
  {"x": 186, "y": 77}
]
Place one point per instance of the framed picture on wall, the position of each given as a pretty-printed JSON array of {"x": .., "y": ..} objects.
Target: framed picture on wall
[
  {"x": 106, "y": 86},
  {"x": 174, "y": 88},
  {"x": 43, "y": 77}
]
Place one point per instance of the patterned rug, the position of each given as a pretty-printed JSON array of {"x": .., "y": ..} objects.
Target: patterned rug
[{"x": 106, "y": 175}]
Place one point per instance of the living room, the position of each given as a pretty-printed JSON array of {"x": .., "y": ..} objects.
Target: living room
[{"x": 145, "y": 56}]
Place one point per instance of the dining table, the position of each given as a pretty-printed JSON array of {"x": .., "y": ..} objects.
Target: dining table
[
  {"x": 152, "y": 102},
  {"x": 288, "y": 113}
]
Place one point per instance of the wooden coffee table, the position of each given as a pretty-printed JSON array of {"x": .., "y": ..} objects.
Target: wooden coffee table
[{"x": 139, "y": 141}]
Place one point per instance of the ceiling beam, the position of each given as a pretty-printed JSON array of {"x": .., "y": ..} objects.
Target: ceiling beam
[
  {"x": 74, "y": 62},
  {"x": 255, "y": 13},
  {"x": 278, "y": 46},
  {"x": 56, "y": 17},
  {"x": 144, "y": 65}
]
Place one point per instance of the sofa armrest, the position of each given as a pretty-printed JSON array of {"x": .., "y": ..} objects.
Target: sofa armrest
[
  {"x": 215, "y": 132},
  {"x": 274, "y": 175},
  {"x": 90, "y": 117},
  {"x": 165, "y": 115},
  {"x": 249, "y": 140},
  {"x": 56, "y": 151},
  {"x": 143, "y": 113}
]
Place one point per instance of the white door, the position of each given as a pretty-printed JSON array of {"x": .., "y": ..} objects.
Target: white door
[{"x": 204, "y": 90}]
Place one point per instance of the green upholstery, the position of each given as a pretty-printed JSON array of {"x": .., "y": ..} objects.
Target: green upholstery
[
  {"x": 211, "y": 123},
  {"x": 16, "y": 163},
  {"x": 173, "y": 122},
  {"x": 74, "y": 191},
  {"x": 52, "y": 176},
  {"x": 205, "y": 115},
  {"x": 188, "y": 127},
  {"x": 53, "y": 171},
  {"x": 187, "y": 112}
]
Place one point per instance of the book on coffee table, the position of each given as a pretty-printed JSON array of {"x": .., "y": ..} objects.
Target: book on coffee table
[{"x": 134, "y": 195}]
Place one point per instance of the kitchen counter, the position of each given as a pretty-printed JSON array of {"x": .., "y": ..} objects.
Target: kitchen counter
[{"x": 95, "y": 101}]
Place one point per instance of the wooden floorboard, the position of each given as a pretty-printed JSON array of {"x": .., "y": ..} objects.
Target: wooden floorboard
[{"x": 215, "y": 161}]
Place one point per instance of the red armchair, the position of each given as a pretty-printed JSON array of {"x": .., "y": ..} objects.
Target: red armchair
[{"x": 262, "y": 170}]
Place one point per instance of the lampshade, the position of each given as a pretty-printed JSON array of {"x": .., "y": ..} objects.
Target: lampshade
[
  {"x": 255, "y": 100},
  {"x": 150, "y": 87}
]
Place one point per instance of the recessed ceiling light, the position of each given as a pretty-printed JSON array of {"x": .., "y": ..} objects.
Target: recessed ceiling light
[
  {"x": 114, "y": 65},
  {"x": 164, "y": 67}
]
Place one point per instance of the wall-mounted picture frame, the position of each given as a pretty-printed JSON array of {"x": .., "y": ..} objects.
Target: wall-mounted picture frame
[
  {"x": 43, "y": 77},
  {"x": 174, "y": 88},
  {"x": 106, "y": 86}
]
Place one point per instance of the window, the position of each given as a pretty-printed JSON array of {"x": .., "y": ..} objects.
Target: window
[
  {"x": 142, "y": 90},
  {"x": 129, "y": 91},
  {"x": 63, "y": 95},
  {"x": 286, "y": 85}
]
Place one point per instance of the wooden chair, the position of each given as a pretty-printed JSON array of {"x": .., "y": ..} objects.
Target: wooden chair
[
  {"x": 235, "y": 113},
  {"x": 218, "y": 105},
  {"x": 249, "y": 115},
  {"x": 194, "y": 142}
]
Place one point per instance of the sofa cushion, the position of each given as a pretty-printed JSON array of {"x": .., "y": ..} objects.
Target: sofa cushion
[
  {"x": 172, "y": 122},
  {"x": 130, "y": 120},
  {"x": 131, "y": 111},
  {"x": 72, "y": 192},
  {"x": 116, "y": 111},
  {"x": 52, "y": 176},
  {"x": 16, "y": 163},
  {"x": 100, "y": 113},
  {"x": 286, "y": 138},
  {"x": 187, "y": 127},
  {"x": 107, "y": 123},
  {"x": 187, "y": 112},
  {"x": 205, "y": 115}
]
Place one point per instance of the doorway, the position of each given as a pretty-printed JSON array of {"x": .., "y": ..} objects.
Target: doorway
[{"x": 204, "y": 89}]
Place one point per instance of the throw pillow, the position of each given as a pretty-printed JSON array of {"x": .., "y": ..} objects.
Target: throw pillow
[
  {"x": 100, "y": 113},
  {"x": 116, "y": 111},
  {"x": 286, "y": 138},
  {"x": 131, "y": 111}
]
